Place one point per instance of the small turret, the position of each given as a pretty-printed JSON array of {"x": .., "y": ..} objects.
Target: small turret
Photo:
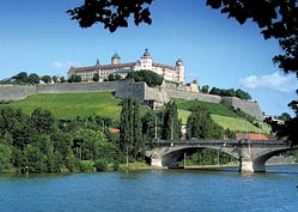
[
  {"x": 179, "y": 62},
  {"x": 146, "y": 53},
  {"x": 180, "y": 70},
  {"x": 97, "y": 62},
  {"x": 116, "y": 59}
]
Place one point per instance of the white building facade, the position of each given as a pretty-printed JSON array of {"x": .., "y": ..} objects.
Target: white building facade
[{"x": 171, "y": 73}]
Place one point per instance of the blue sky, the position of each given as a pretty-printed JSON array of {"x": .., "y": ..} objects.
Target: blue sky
[{"x": 38, "y": 36}]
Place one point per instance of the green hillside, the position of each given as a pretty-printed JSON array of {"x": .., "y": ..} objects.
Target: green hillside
[
  {"x": 233, "y": 123},
  {"x": 215, "y": 109},
  {"x": 72, "y": 105}
]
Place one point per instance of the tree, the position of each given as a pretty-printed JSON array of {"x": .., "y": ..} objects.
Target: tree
[
  {"x": 200, "y": 125},
  {"x": 55, "y": 79},
  {"x": 33, "y": 78},
  {"x": 131, "y": 128},
  {"x": 111, "y": 77},
  {"x": 75, "y": 78},
  {"x": 47, "y": 79},
  {"x": 96, "y": 77},
  {"x": 151, "y": 78},
  {"x": 111, "y": 13},
  {"x": 42, "y": 120},
  {"x": 118, "y": 77},
  {"x": 152, "y": 123},
  {"x": 284, "y": 117},
  {"x": 21, "y": 77},
  {"x": 205, "y": 88},
  {"x": 171, "y": 125},
  {"x": 62, "y": 80}
]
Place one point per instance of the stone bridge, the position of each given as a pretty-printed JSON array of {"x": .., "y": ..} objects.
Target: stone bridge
[{"x": 252, "y": 155}]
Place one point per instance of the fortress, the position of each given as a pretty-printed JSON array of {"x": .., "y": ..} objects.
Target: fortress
[
  {"x": 154, "y": 96},
  {"x": 171, "y": 73}
]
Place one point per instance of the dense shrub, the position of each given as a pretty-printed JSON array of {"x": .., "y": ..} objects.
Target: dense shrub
[
  {"x": 86, "y": 165},
  {"x": 152, "y": 79}
]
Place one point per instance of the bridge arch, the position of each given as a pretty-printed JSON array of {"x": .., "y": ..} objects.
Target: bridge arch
[
  {"x": 171, "y": 156},
  {"x": 262, "y": 158}
]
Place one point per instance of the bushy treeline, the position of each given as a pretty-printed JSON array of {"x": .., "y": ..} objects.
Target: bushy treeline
[
  {"x": 228, "y": 92},
  {"x": 40, "y": 143},
  {"x": 24, "y": 78},
  {"x": 152, "y": 79}
]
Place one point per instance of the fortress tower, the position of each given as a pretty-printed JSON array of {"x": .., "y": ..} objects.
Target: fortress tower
[
  {"x": 180, "y": 70},
  {"x": 116, "y": 59},
  {"x": 146, "y": 60}
]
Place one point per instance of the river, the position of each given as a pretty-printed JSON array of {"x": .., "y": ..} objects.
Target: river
[{"x": 163, "y": 190}]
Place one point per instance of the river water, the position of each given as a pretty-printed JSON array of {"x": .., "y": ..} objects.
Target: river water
[{"x": 164, "y": 190}]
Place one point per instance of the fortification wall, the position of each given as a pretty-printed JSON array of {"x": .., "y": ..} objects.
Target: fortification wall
[
  {"x": 15, "y": 92},
  {"x": 157, "y": 94},
  {"x": 131, "y": 89},
  {"x": 193, "y": 96},
  {"x": 78, "y": 87},
  {"x": 251, "y": 108},
  {"x": 128, "y": 88}
]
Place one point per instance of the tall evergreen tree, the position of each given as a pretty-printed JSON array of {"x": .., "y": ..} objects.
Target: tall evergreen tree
[
  {"x": 138, "y": 140},
  {"x": 171, "y": 127},
  {"x": 200, "y": 125}
]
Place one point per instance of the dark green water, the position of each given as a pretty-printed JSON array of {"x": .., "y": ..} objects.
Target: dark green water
[{"x": 173, "y": 190}]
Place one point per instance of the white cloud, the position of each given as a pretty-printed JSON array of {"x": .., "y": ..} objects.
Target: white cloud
[
  {"x": 63, "y": 65},
  {"x": 275, "y": 81}
]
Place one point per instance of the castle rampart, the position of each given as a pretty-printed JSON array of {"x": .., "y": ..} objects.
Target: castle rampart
[
  {"x": 127, "y": 88},
  {"x": 15, "y": 92}
]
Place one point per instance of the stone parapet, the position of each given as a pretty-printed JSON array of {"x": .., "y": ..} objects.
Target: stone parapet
[{"x": 16, "y": 92}]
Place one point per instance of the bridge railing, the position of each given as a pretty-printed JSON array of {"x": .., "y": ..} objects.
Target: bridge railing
[{"x": 213, "y": 142}]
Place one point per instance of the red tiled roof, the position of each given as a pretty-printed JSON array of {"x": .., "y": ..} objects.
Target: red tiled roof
[
  {"x": 109, "y": 66},
  {"x": 254, "y": 136}
]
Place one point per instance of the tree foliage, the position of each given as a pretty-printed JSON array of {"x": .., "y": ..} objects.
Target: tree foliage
[
  {"x": 46, "y": 79},
  {"x": 33, "y": 78},
  {"x": 131, "y": 129},
  {"x": 111, "y": 13},
  {"x": 151, "y": 78},
  {"x": 230, "y": 93},
  {"x": 74, "y": 78},
  {"x": 200, "y": 125},
  {"x": 41, "y": 143},
  {"x": 205, "y": 89},
  {"x": 96, "y": 77},
  {"x": 171, "y": 124}
]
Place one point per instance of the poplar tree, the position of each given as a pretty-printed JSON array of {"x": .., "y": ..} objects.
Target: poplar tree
[
  {"x": 171, "y": 126},
  {"x": 131, "y": 128}
]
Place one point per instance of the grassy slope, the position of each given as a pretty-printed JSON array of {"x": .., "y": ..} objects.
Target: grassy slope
[
  {"x": 233, "y": 123},
  {"x": 105, "y": 104},
  {"x": 72, "y": 105},
  {"x": 216, "y": 109}
]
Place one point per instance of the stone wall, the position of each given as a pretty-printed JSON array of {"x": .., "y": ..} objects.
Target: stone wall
[
  {"x": 128, "y": 88},
  {"x": 249, "y": 107},
  {"x": 131, "y": 89},
  {"x": 15, "y": 92},
  {"x": 193, "y": 96},
  {"x": 157, "y": 94},
  {"x": 78, "y": 87}
]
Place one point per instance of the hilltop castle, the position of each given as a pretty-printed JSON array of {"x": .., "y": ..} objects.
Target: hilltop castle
[{"x": 171, "y": 73}]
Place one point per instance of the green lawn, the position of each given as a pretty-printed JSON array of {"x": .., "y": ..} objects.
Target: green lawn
[
  {"x": 72, "y": 105},
  {"x": 215, "y": 109},
  {"x": 233, "y": 123}
]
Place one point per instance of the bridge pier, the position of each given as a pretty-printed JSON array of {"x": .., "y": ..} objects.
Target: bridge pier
[
  {"x": 156, "y": 160},
  {"x": 249, "y": 166}
]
